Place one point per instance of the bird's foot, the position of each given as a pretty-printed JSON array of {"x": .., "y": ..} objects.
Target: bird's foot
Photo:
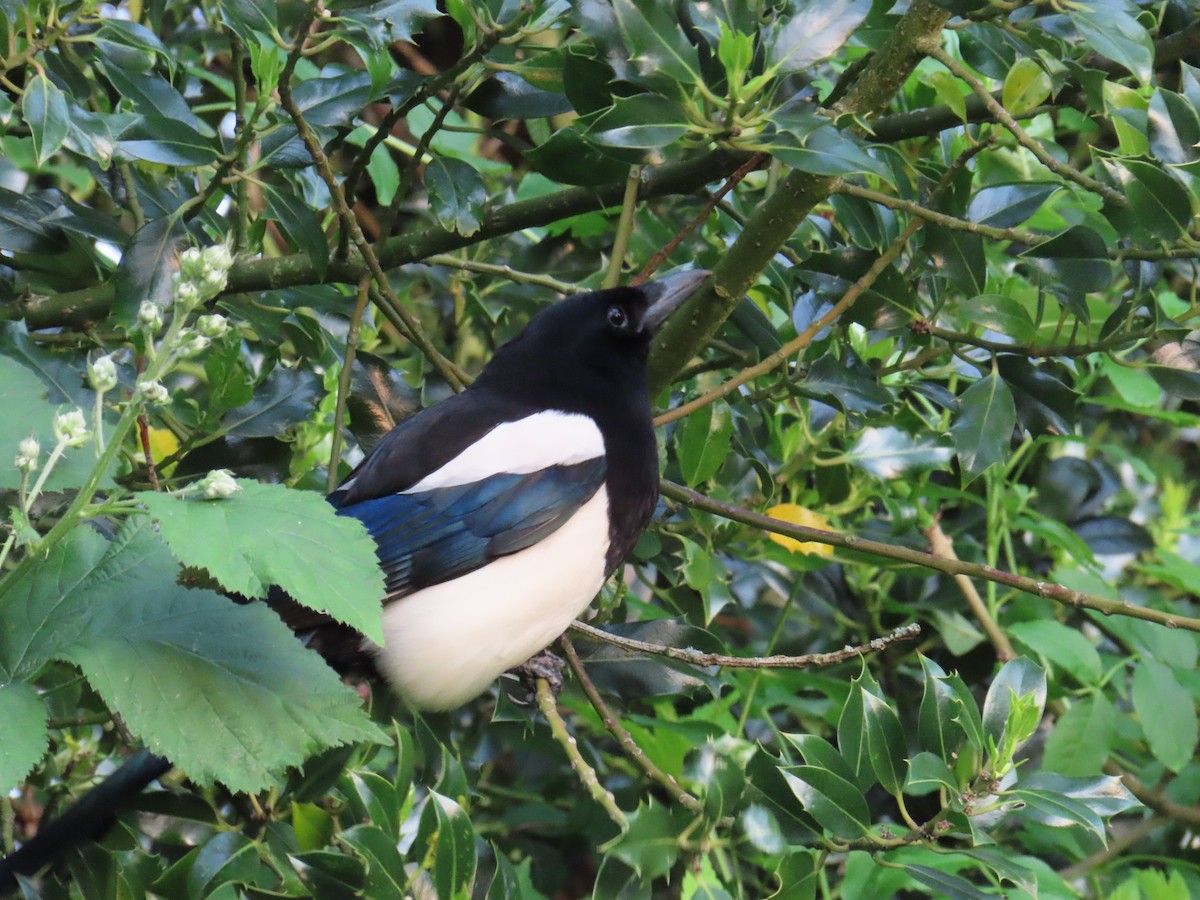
[{"x": 543, "y": 665}]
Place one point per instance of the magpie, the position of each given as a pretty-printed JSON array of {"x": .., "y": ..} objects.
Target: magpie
[{"x": 497, "y": 515}]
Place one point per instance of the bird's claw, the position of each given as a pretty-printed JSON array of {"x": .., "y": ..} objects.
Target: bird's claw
[{"x": 543, "y": 665}]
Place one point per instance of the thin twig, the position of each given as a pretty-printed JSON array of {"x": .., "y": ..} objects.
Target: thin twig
[
  {"x": 730, "y": 183},
  {"x": 1004, "y": 118},
  {"x": 941, "y": 544},
  {"x": 700, "y": 658},
  {"x": 1033, "y": 351},
  {"x": 1048, "y": 589},
  {"x": 624, "y": 738},
  {"x": 502, "y": 271},
  {"x": 1154, "y": 797},
  {"x": 624, "y": 227},
  {"x": 587, "y": 775},
  {"x": 1118, "y": 845},
  {"x": 344, "y": 376}
]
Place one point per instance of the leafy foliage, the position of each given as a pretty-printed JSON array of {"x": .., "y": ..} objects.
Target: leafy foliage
[{"x": 952, "y": 306}]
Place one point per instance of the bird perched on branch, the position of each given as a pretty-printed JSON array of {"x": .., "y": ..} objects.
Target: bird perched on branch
[{"x": 497, "y": 514}]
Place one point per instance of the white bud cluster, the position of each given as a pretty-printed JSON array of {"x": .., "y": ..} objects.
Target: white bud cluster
[
  {"x": 27, "y": 454},
  {"x": 189, "y": 343},
  {"x": 70, "y": 428},
  {"x": 202, "y": 275},
  {"x": 102, "y": 373},
  {"x": 153, "y": 392},
  {"x": 150, "y": 316},
  {"x": 218, "y": 485}
]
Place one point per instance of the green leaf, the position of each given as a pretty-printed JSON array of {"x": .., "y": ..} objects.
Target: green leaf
[
  {"x": 298, "y": 221},
  {"x": 946, "y": 884},
  {"x": 889, "y": 452},
  {"x": 656, "y": 43},
  {"x": 25, "y": 734},
  {"x": 1105, "y": 795},
  {"x": 1061, "y": 645},
  {"x": 704, "y": 443},
  {"x": 385, "y": 866},
  {"x": 268, "y": 534},
  {"x": 1008, "y": 205},
  {"x": 885, "y": 738},
  {"x": 1159, "y": 202},
  {"x": 169, "y": 142},
  {"x": 815, "y": 31},
  {"x": 454, "y": 857},
  {"x": 827, "y": 151},
  {"x": 146, "y": 268},
  {"x": 257, "y": 700},
  {"x": 1082, "y": 738},
  {"x": 982, "y": 428},
  {"x": 852, "y": 736},
  {"x": 820, "y": 753},
  {"x": 643, "y": 121},
  {"x": 1017, "y": 678},
  {"x": 333, "y": 100},
  {"x": 650, "y": 845},
  {"x": 1167, "y": 712},
  {"x": 834, "y": 802},
  {"x": 1026, "y": 86},
  {"x": 938, "y": 730},
  {"x": 718, "y": 772},
  {"x": 928, "y": 773},
  {"x": 1000, "y": 314},
  {"x": 456, "y": 195},
  {"x": 798, "y": 876},
  {"x": 45, "y": 109},
  {"x": 1110, "y": 27},
  {"x": 1053, "y": 809},
  {"x": 1077, "y": 259}
]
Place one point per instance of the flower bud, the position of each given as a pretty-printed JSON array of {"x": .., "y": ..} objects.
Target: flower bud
[
  {"x": 189, "y": 343},
  {"x": 219, "y": 485},
  {"x": 188, "y": 294},
  {"x": 150, "y": 316},
  {"x": 153, "y": 392},
  {"x": 70, "y": 428},
  {"x": 218, "y": 258},
  {"x": 27, "y": 454},
  {"x": 102, "y": 373},
  {"x": 214, "y": 326},
  {"x": 191, "y": 264}
]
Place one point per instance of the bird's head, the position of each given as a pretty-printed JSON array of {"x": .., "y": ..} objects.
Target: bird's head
[{"x": 602, "y": 337}]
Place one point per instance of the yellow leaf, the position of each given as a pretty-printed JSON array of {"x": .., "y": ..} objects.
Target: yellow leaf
[
  {"x": 162, "y": 443},
  {"x": 799, "y": 515}
]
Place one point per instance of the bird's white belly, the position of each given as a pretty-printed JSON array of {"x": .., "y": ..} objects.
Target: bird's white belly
[{"x": 446, "y": 643}]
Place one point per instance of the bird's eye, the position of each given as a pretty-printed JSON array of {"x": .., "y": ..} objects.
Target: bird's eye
[{"x": 617, "y": 317}]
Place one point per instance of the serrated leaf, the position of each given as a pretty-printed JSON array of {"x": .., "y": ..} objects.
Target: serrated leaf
[
  {"x": 833, "y": 801},
  {"x": 1018, "y": 677},
  {"x": 928, "y": 773},
  {"x": 44, "y": 107},
  {"x": 946, "y": 884},
  {"x": 268, "y": 534},
  {"x": 982, "y": 429},
  {"x": 650, "y": 845},
  {"x": 223, "y": 690},
  {"x": 656, "y": 43},
  {"x": 1106, "y": 795},
  {"x": 643, "y": 121},
  {"x": 1057, "y": 811},
  {"x": 1167, "y": 712},
  {"x": 25, "y": 734},
  {"x": 938, "y": 730},
  {"x": 456, "y": 195}
]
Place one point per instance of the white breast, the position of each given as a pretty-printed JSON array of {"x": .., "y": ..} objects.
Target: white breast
[{"x": 446, "y": 644}]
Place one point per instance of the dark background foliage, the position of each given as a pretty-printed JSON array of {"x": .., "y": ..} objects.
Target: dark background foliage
[{"x": 943, "y": 376}]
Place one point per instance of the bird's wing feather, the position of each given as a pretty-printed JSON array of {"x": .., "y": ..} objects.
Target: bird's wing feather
[{"x": 428, "y": 537}]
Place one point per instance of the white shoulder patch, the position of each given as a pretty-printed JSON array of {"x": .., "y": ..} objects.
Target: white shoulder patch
[{"x": 550, "y": 438}]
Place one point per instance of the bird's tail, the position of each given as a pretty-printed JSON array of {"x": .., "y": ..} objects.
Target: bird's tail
[{"x": 85, "y": 820}]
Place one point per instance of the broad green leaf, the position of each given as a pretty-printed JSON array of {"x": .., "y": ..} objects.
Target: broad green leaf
[
  {"x": 820, "y": 753},
  {"x": 850, "y": 386},
  {"x": 704, "y": 443},
  {"x": 45, "y": 109},
  {"x": 1174, "y": 128},
  {"x": 718, "y": 772},
  {"x": 650, "y": 845},
  {"x": 1057, "y": 811},
  {"x": 1026, "y": 86},
  {"x": 834, "y": 802},
  {"x": 798, "y": 876},
  {"x": 827, "y": 151},
  {"x": 1110, "y": 27},
  {"x": 1077, "y": 259},
  {"x": 298, "y": 221},
  {"x": 959, "y": 258},
  {"x": 454, "y": 856},
  {"x": 656, "y": 43},
  {"x": 1082, "y": 738},
  {"x": 146, "y": 268},
  {"x": 334, "y": 99},
  {"x": 815, "y": 31},
  {"x": 1160, "y": 203},
  {"x": 938, "y": 730},
  {"x": 643, "y": 121},
  {"x": 21, "y": 228},
  {"x": 889, "y": 452},
  {"x": 1062, "y": 645},
  {"x": 25, "y": 735},
  {"x": 1105, "y": 795},
  {"x": 982, "y": 428},
  {"x": 946, "y": 884},
  {"x": 1167, "y": 711},
  {"x": 229, "y": 857},
  {"x": 928, "y": 773},
  {"x": 268, "y": 534},
  {"x": 456, "y": 195},
  {"x": 223, "y": 690},
  {"x": 1008, "y": 205},
  {"x": 1000, "y": 314},
  {"x": 885, "y": 738},
  {"x": 328, "y": 874},
  {"x": 385, "y": 865},
  {"x": 852, "y": 737},
  {"x": 385, "y": 174},
  {"x": 1017, "y": 678},
  {"x": 388, "y": 21},
  {"x": 169, "y": 142}
]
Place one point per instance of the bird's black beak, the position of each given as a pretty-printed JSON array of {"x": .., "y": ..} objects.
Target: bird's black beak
[{"x": 665, "y": 295}]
